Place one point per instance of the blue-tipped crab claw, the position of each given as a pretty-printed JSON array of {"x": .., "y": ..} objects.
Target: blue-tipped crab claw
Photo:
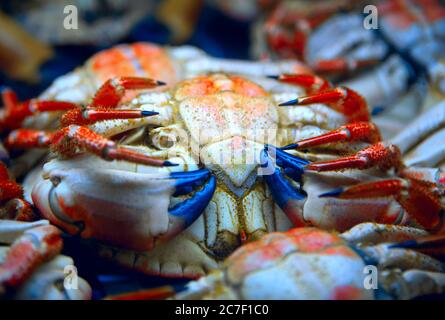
[
  {"x": 189, "y": 210},
  {"x": 289, "y": 198},
  {"x": 125, "y": 209}
]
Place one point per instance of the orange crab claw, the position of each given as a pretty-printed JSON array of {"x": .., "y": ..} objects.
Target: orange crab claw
[
  {"x": 312, "y": 83},
  {"x": 28, "y": 138},
  {"x": 341, "y": 65},
  {"x": 358, "y": 131},
  {"x": 113, "y": 90},
  {"x": 89, "y": 116},
  {"x": 342, "y": 99},
  {"x": 380, "y": 155},
  {"x": 34, "y": 247},
  {"x": 418, "y": 198},
  {"x": 67, "y": 139}
]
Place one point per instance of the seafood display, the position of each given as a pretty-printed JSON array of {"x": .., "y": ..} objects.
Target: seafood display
[{"x": 312, "y": 173}]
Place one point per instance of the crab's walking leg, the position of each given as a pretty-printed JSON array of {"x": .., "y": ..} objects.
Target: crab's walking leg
[
  {"x": 34, "y": 247},
  {"x": 374, "y": 233},
  {"x": 342, "y": 65},
  {"x": 90, "y": 116},
  {"x": 65, "y": 139},
  {"x": 413, "y": 283},
  {"x": 9, "y": 99},
  {"x": 342, "y": 99},
  {"x": 380, "y": 155},
  {"x": 8, "y": 189},
  {"x": 312, "y": 83},
  {"x": 113, "y": 90},
  {"x": 28, "y": 138},
  {"x": 417, "y": 197},
  {"x": 357, "y": 131}
]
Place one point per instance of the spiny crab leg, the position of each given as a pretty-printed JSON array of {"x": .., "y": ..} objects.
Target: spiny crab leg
[
  {"x": 107, "y": 97},
  {"x": 66, "y": 139},
  {"x": 357, "y": 131},
  {"x": 288, "y": 198},
  {"x": 8, "y": 189},
  {"x": 418, "y": 198},
  {"x": 31, "y": 249},
  {"x": 113, "y": 90},
  {"x": 11, "y": 197},
  {"x": 342, "y": 99},
  {"x": 90, "y": 116},
  {"x": 311, "y": 83},
  {"x": 384, "y": 156}
]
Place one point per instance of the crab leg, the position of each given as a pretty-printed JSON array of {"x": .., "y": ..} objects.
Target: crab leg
[
  {"x": 9, "y": 98},
  {"x": 90, "y": 116},
  {"x": 416, "y": 283},
  {"x": 342, "y": 99},
  {"x": 35, "y": 246},
  {"x": 416, "y": 197},
  {"x": 380, "y": 155},
  {"x": 8, "y": 189},
  {"x": 65, "y": 139},
  {"x": 311, "y": 83},
  {"x": 113, "y": 90},
  {"x": 340, "y": 65},
  {"x": 358, "y": 131}
]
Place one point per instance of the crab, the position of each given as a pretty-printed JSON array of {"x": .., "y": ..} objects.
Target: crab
[
  {"x": 183, "y": 220},
  {"x": 140, "y": 59},
  {"x": 31, "y": 266},
  {"x": 369, "y": 261},
  {"x": 387, "y": 65}
]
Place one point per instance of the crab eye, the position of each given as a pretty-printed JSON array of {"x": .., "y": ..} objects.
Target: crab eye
[{"x": 164, "y": 139}]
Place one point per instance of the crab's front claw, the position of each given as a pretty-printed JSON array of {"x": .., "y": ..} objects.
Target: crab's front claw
[
  {"x": 289, "y": 198},
  {"x": 121, "y": 208}
]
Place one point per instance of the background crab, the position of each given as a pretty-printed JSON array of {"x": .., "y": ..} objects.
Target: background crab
[
  {"x": 308, "y": 263},
  {"x": 31, "y": 266}
]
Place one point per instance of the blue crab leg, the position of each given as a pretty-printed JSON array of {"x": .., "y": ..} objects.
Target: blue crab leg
[{"x": 288, "y": 198}]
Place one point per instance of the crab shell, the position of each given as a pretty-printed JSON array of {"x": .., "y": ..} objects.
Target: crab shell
[
  {"x": 303, "y": 263},
  {"x": 224, "y": 123}
]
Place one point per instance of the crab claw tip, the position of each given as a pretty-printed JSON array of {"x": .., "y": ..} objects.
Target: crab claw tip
[
  {"x": 332, "y": 194},
  {"x": 146, "y": 113},
  {"x": 292, "y": 102},
  {"x": 160, "y": 83},
  {"x": 167, "y": 163},
  {"x": 273, "y": 77},
  {"x": 290, "y": 146}
]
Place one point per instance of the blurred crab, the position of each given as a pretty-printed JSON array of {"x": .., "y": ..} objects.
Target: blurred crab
[
  {"x": 309, "y": 263},
  {"x": 31, "y": 266},
  {"x": 214, "y": 128},
  {"x": 406, "y": 47}
]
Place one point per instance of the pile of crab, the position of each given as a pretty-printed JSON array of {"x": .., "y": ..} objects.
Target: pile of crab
[{"x": 177, "y": 164}]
